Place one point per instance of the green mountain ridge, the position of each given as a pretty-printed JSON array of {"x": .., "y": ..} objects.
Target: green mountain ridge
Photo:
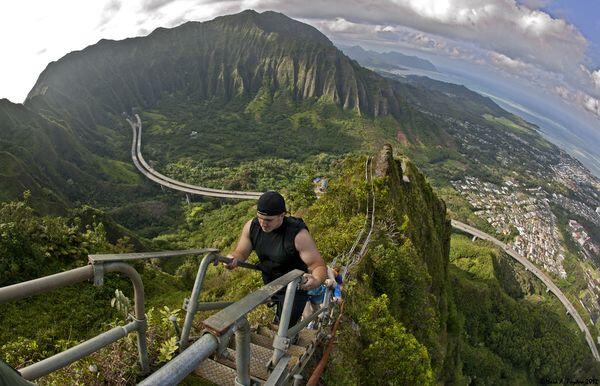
[
  {"x": 251, "y": 59},
  {"x": 225, "y": 57}
]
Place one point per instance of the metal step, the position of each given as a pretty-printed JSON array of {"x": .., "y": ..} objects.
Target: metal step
[
  {"x": 222, "y": 372},
  {"x": 259, "y": 358},
  {"x": 219, "y": 373},
  {"x": 305, "y": 337},
  {"x": 267, "y": 342},
  {"x": 216, "y": 373}
]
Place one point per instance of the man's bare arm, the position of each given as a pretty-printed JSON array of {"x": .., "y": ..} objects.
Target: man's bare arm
[
  {"x": 243, "y": 248},
  {"x": 306, "y": 247}
]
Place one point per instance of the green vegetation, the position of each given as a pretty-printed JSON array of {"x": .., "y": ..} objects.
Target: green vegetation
[
  {"x": 507, "y": 340},
  {"x": 399, "y": 279},
  {"x": 223, "y": 145},
  {"x": 508, "y": 123},
  {"x": 35, "y": 328},
  {"x": 409, "y": 316}
]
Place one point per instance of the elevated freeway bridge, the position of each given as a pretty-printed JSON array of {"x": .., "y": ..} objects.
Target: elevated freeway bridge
[{"x": 529, "y": 266}]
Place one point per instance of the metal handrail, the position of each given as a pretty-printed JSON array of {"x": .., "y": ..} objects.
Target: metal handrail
[
  {"x": 99, "y": 265},
  {"x": 220, "y": 322},
  {"x": 183, "y": 364},
  {"x": 220, "y": 326},
  {"x": 192, "y": 303},
  {"x": 63, "y": 279}
]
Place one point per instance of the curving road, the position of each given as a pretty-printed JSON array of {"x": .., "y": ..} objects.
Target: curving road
[
  {"x": 537, "y": 272},
  {"x": 150, "y": 173}
]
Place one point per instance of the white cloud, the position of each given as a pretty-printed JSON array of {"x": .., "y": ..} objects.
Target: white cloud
[
  {"x": 109, "y": 11},
  {"x": 592, "y": 104},
  {"x": 153, "y": 5},
  {"x": 535, "y": 4},
  {"x": 578, "y": 99},
  {"x": 596, "y": 78},
  {"x": 517, "y": 39},
  {"x": 592, "y": 77},
  {"x": 497, "y": 25},
  {"x": 341, "y": 25},
  {"x": 563, "y": 92},
  {"x": 506, "y": 63}
]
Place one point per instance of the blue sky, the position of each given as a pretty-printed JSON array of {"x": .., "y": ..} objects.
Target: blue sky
[{"x": 585, "y": 14}]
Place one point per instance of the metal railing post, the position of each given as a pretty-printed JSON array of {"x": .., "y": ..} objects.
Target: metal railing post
[
  {"x": 281, "y": 342},
  {"x": 140, "y": 313},
  {"x": 193, "y": 302},
  {"x": 242, "y": 352},
  {"x": 324, "y": 317},
  {"x": 298, "y": 378},
  {"x": 96, "y": 271}
]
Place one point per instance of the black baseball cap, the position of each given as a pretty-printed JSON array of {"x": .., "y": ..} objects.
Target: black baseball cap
[{"x": 270, "y": 203}]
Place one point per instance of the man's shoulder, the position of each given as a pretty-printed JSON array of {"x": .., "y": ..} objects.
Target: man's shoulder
[{"x": 248, "y": 226}]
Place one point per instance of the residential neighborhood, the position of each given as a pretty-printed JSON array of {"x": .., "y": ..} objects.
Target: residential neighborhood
[{"x": 511, "y": 209}]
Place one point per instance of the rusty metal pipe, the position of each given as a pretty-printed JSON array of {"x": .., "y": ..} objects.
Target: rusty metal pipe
[{"x": 316, "y": 375}]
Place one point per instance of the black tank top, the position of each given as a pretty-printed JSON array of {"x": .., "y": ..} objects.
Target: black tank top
[{"x": 276, "y": 249}]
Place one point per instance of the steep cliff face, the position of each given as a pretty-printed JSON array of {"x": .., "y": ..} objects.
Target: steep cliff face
[
  {"x": 226, "y": 57},
  {"x": 398, "y": 322},
  {"x": 36, "y": 155},
  {"x": 410, "y": 258}
]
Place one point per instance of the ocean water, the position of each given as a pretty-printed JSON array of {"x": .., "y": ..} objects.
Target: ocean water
[{"x": 587, "y": 152}]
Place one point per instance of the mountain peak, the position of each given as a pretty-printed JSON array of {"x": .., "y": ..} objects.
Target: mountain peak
[
  {"x": 230, "y": 56},
  {"x": 274, "y": 22}
]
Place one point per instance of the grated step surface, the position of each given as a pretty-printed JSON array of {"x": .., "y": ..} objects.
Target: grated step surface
[
  {"x": 216, "y": 373},
  {"x": 259, "y": 358},
  {"x": 267, "y": 342},
  {"x": 306, "y": 337}
]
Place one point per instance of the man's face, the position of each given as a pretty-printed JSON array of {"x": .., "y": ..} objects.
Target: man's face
[{"x": 269, "y": 223}]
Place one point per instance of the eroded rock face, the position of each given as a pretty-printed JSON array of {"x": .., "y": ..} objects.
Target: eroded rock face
[
  {"x": 383, "y": 160},
  {"x": 226, "y": 57}
]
